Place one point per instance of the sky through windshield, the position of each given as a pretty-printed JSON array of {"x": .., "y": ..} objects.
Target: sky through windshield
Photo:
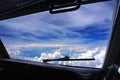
[{"x": 78, "y": 34}]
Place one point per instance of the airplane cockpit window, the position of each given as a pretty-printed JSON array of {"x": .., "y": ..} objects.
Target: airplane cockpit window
[{"x": 61, "y": 38}]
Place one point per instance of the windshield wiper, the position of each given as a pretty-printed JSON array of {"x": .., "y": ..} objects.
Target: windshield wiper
[{"x": 66, "y": 58}]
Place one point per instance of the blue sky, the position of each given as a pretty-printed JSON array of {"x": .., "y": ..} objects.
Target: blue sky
[{"x": 87, "y": 27}]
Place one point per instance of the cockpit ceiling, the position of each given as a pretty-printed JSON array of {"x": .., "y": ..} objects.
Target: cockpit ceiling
[{"x": 23, "y": 7}]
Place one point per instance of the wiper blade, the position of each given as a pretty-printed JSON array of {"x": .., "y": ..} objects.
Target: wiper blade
[{"x": 66, "y": 58}]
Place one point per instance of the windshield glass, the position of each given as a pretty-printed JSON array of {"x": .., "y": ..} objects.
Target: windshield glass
[{"x": 83, "y": 33}]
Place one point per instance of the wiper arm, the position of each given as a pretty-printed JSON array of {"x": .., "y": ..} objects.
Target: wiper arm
[{"x": 66, "y": 58}]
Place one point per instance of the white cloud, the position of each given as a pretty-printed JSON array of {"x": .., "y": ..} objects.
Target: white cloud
[
  {"x": 82, "y": 52},
  {"x": 14, "y": 52}
]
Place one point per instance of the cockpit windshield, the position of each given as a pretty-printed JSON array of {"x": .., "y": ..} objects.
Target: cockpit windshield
[{"x": 79, "y": 34}]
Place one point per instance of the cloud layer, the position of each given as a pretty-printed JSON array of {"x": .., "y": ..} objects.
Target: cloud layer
[{"x": 75, "y": 52}]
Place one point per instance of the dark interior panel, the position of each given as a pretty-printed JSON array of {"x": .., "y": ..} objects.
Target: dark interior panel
[{"x": 11, "y": 70}]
